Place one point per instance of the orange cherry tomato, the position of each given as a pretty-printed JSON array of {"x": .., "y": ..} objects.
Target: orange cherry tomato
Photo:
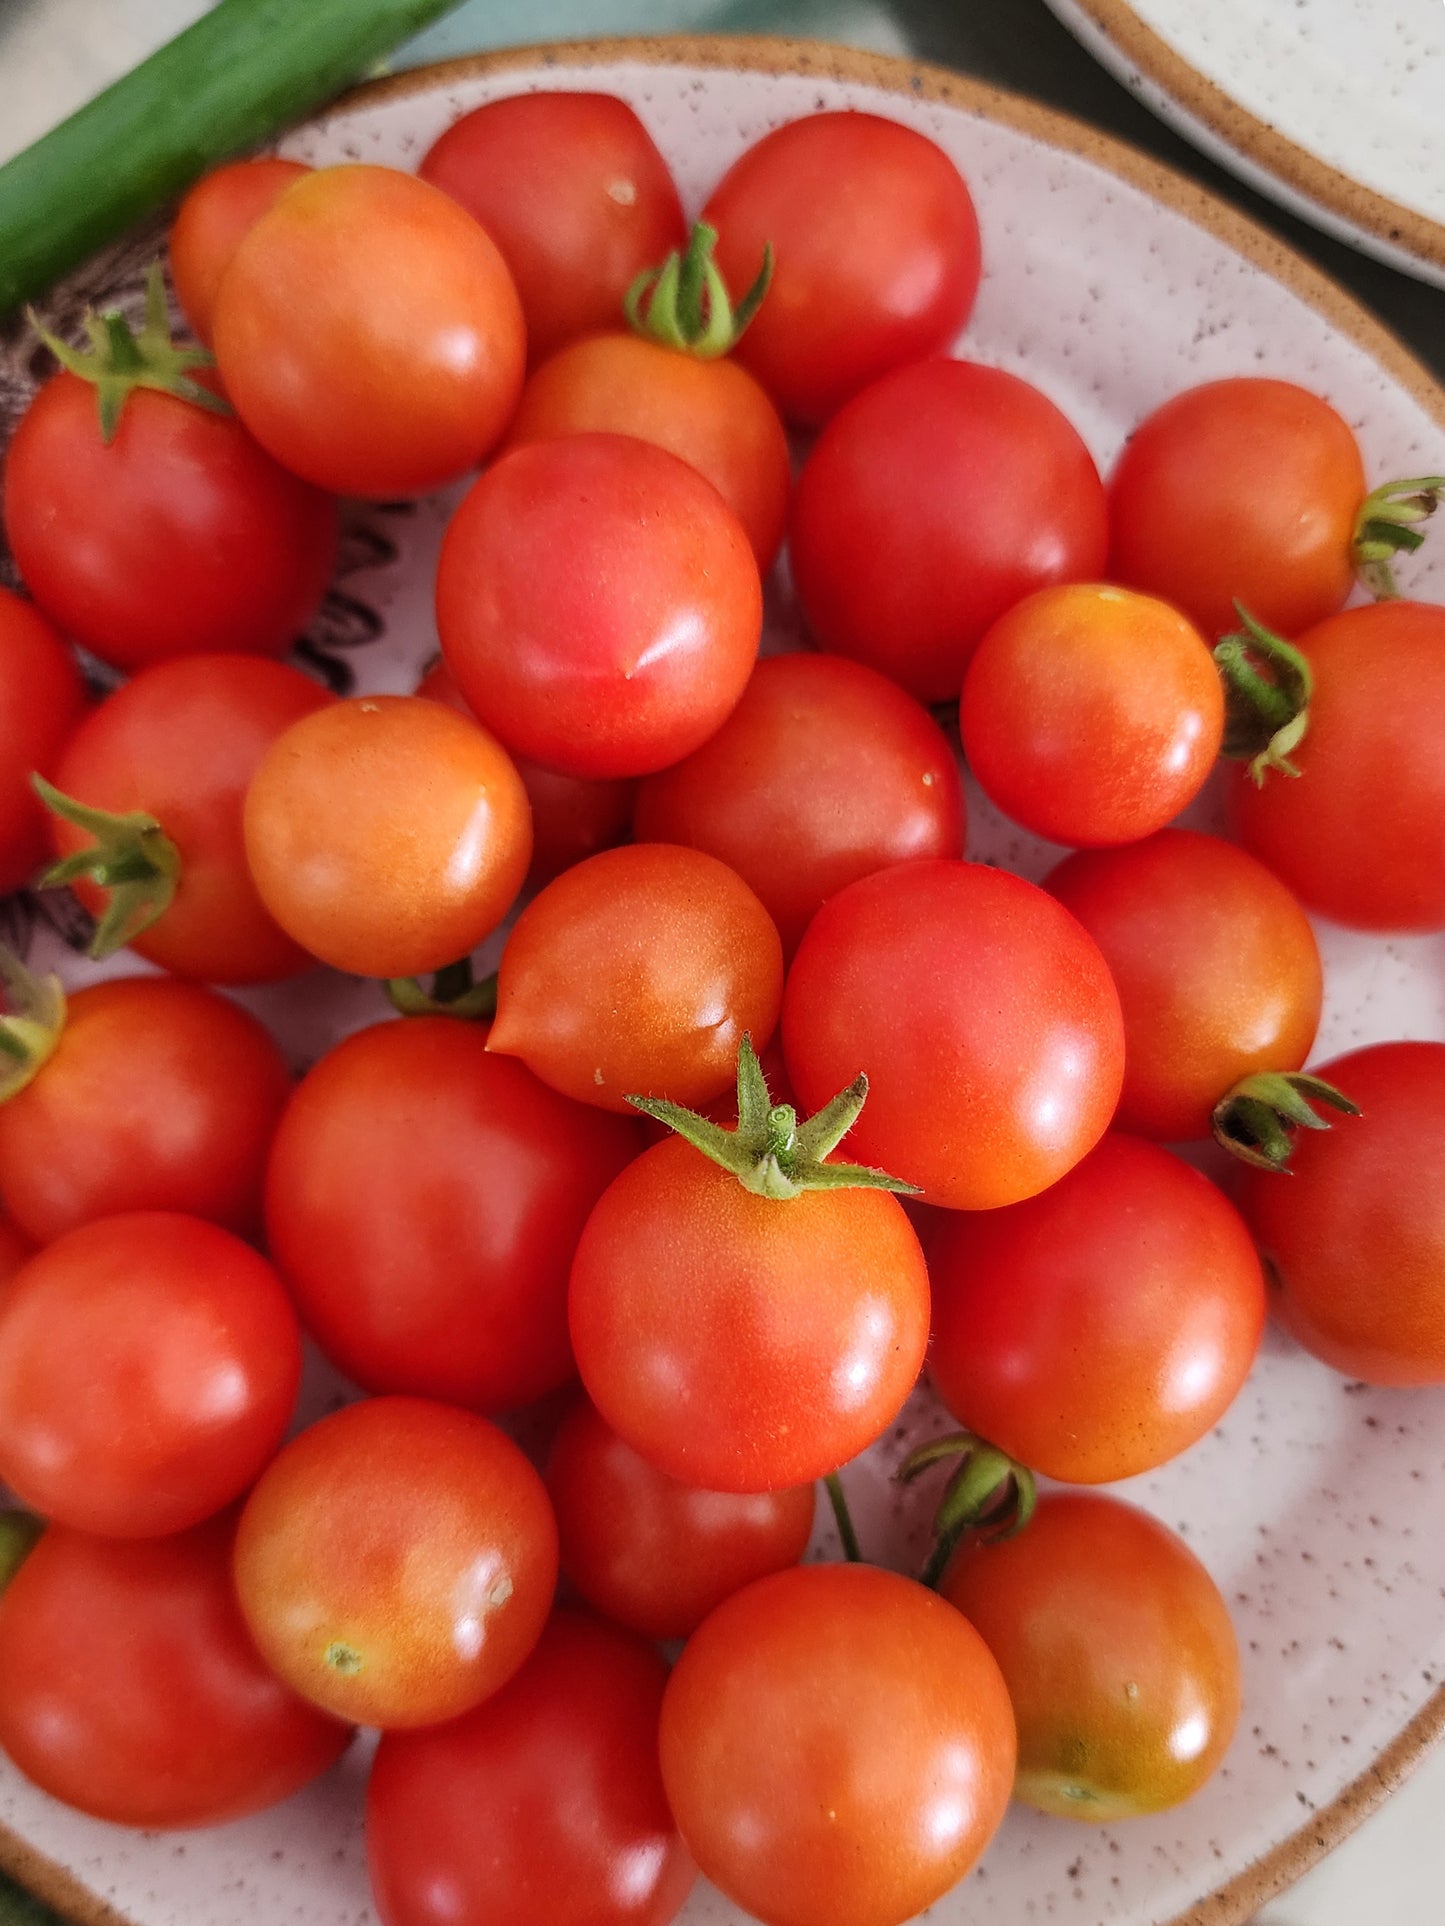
[{"x": 211, "y": 223}]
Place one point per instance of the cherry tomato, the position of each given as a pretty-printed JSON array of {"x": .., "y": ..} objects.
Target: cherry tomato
[
  {"x": 129, "y": 1688},
  {"x": 545, "y": 1803},
  {"x": 211, "y": 223},
  {"x": 395, "y": 1564},
  {"x": 158, "y": 1096},
  {"x": 1356, "y": 835},
  {"x": 1092, "y": 715},
  {"x": 598, "y": 604},
  {"x": 1117, "y": 1651},
  {"x": 42, "y": 698},
  {"x": 1245, "y": 489},
  {"x": 574, "y": 193},
  {"x": 984, "y": 1017},
  {"x": 823, "y": 773},
  {"x": 369, "y": 333},
  {"x": 424, "y": 1201},
  {"x": 181, "y": 742},
  {"x": 1216, "y": 966},
  {"x": 638, "y": 973},
  {"x": 148, "y": 1366},
  {"x": 387, "y": 835},
  {"x": 1103, "y": 1327},
  {"x": 653, "y": 1554},
  {"x": 877, "y": 254},
  {"x": 935, "y": 501},
  {"x": 837, "y": 1747},
  {"x": 1354, "y": 1238}
]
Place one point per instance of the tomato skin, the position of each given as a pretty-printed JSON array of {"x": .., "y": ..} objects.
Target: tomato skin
[
  {"x": 423, "y": 1204},
  {"x": 1356, "y": 834},
  {"x": 16, "y": 1249},
  {"x": 598, "y": 604},
  {"x": 211, "y": 223},
  {"x": 638, "y": 973},
  {"x": 545, "y": 1803},
  {"x": 369, "y": 333},
  {"x": 1118, "y": 1652},
  {"x": 1101, "y": 1328},
  {"x": 159, "y": 1096},
  {"x": 876, "y": 251},
  {"x": 1217, "y": 969},
  {"x": 650, "y": 1553},
  {"x": 42, "y": 699},
  {"x": 1354, "y": 1240},
  {"x": 838, "y": 1747},
  {"x": 575, "y": 194},
  {"x": 1245, "y": 489},
  {"x": 148, "y": 1366},
  {"x": 937, "y": 499},
  {"x": 823, "y": 773},
  {"x": 396, "y": 1562},
  {"x": 1091, "y": 715},
  {"x": 984, "y": 1016}
]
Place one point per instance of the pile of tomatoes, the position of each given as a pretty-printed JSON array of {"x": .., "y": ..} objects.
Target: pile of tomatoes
[{"x": 774, "y": 1098}]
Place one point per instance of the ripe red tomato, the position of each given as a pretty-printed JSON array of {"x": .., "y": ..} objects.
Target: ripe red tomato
[
  {"x": 424, "y": 1201},
  {"x": 1101, "y": 1328},
  {"x": 158, "y": 1096},
  {"x": 823, "y": 773},
  {"x": 545, "y": 1803},
  {"x": 935, "y": 501},
  {"x": 638, "y": 973},
  {"x": 1356, "y": 835},
  {"x": 1118, "y": 1653},
  {"x": 574, "y": 193},
  {"x": 876, "y": 247},
  {"x": 837, "y": 1746},
  {"x": 598, "y": 604},
  {"x": 1240, "y": 490},
  {"x": 387, "y": 835},
  {"x": 129, "y": 1688},
  {"x": 42, "y": 698},
  {"x": 984, "y": 1017},
  {"x": 395, "y": 1564},
  {"x": 369, "y": 333},
  {"x": 148, "y": 1366},
  {"x": 181, "y": 743},
  {"x": 1354, "y": 1239},
  {"x": 1092, "y": 715},
  {"x": 653, "y": 1554},
  {"x": 211, "y": 223},
  {"x": 1216, "y": 966}
]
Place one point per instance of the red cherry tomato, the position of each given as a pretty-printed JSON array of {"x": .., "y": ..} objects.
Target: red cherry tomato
[
  {"x": 1092, "y": 715},
  {"x": 653, "y": 1554},
  {"x": 876, "y": 247},
  {"x": 823, "y": 773},
  {"x": 1216, "y": 966},
  {"x": 598, "y": 604},
  {"x": 369, "y": 333},
  {"x": 1118, "y": 1653},
  {"x": 129, "y": 1688},
  {"x": 1354, "y": 1238},
  {"x": 1101, "y": 1328},
  {"x": 1245, "y": 489},
  {"x": 42, "y": 698},
  {"x": 148, "y": 1366},
  {"x": 574, "y": 193},
  {"x": 837, "y": 1746},
  {"x": 546, "y": 1803},
  {"x": 939, "y": 498},
  {"x": 984, "y": 1017},
  {"x": 424, "y": 1201},
  {"x": 211, "y": 223},
  {"x": 395, "y": 1564}
]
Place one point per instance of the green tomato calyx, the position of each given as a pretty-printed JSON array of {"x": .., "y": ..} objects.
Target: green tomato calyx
[
  {"x": 19, "y": 1535},
  {"x": 685, "y": 304},
  {"x": 31, "y": 1026},
  {"x": 1267, "y": 689},
  {"x": 1255, "y": 1120},
  {"x": 454, "y": 992},
  {"x": 989, "y": 1493},
  {"x": 1388, "y": 525},
  {"x": 131, "y": 856}
]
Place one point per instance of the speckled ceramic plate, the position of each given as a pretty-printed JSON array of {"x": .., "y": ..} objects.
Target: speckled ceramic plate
[
  {"x": 1110, "y": 283},
  {"x": 1333, "y": 108}
]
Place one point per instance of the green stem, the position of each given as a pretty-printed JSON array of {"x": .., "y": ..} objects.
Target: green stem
[
  {"x": 833, "y": 1484},
  {"x": 19, "y": 1534},
  {"x": 453, "y": 993},
  {"x": 1268, "y": 685},
  {"x": 989, "y": 1493},
  {"x": 31, "y": 1027},
  {"x": 130, "y": 855},
  {"x": 1389, "y": 524},
  {"x": 1255, "y": 1120},
  {"x": 684, "y": 304}
]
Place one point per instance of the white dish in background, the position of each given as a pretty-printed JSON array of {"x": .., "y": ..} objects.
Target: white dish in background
[{"x": 1111, "y": 283}]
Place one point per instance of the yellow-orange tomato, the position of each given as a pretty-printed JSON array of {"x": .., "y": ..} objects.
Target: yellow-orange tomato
[{"x": 211, "y": 223}]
